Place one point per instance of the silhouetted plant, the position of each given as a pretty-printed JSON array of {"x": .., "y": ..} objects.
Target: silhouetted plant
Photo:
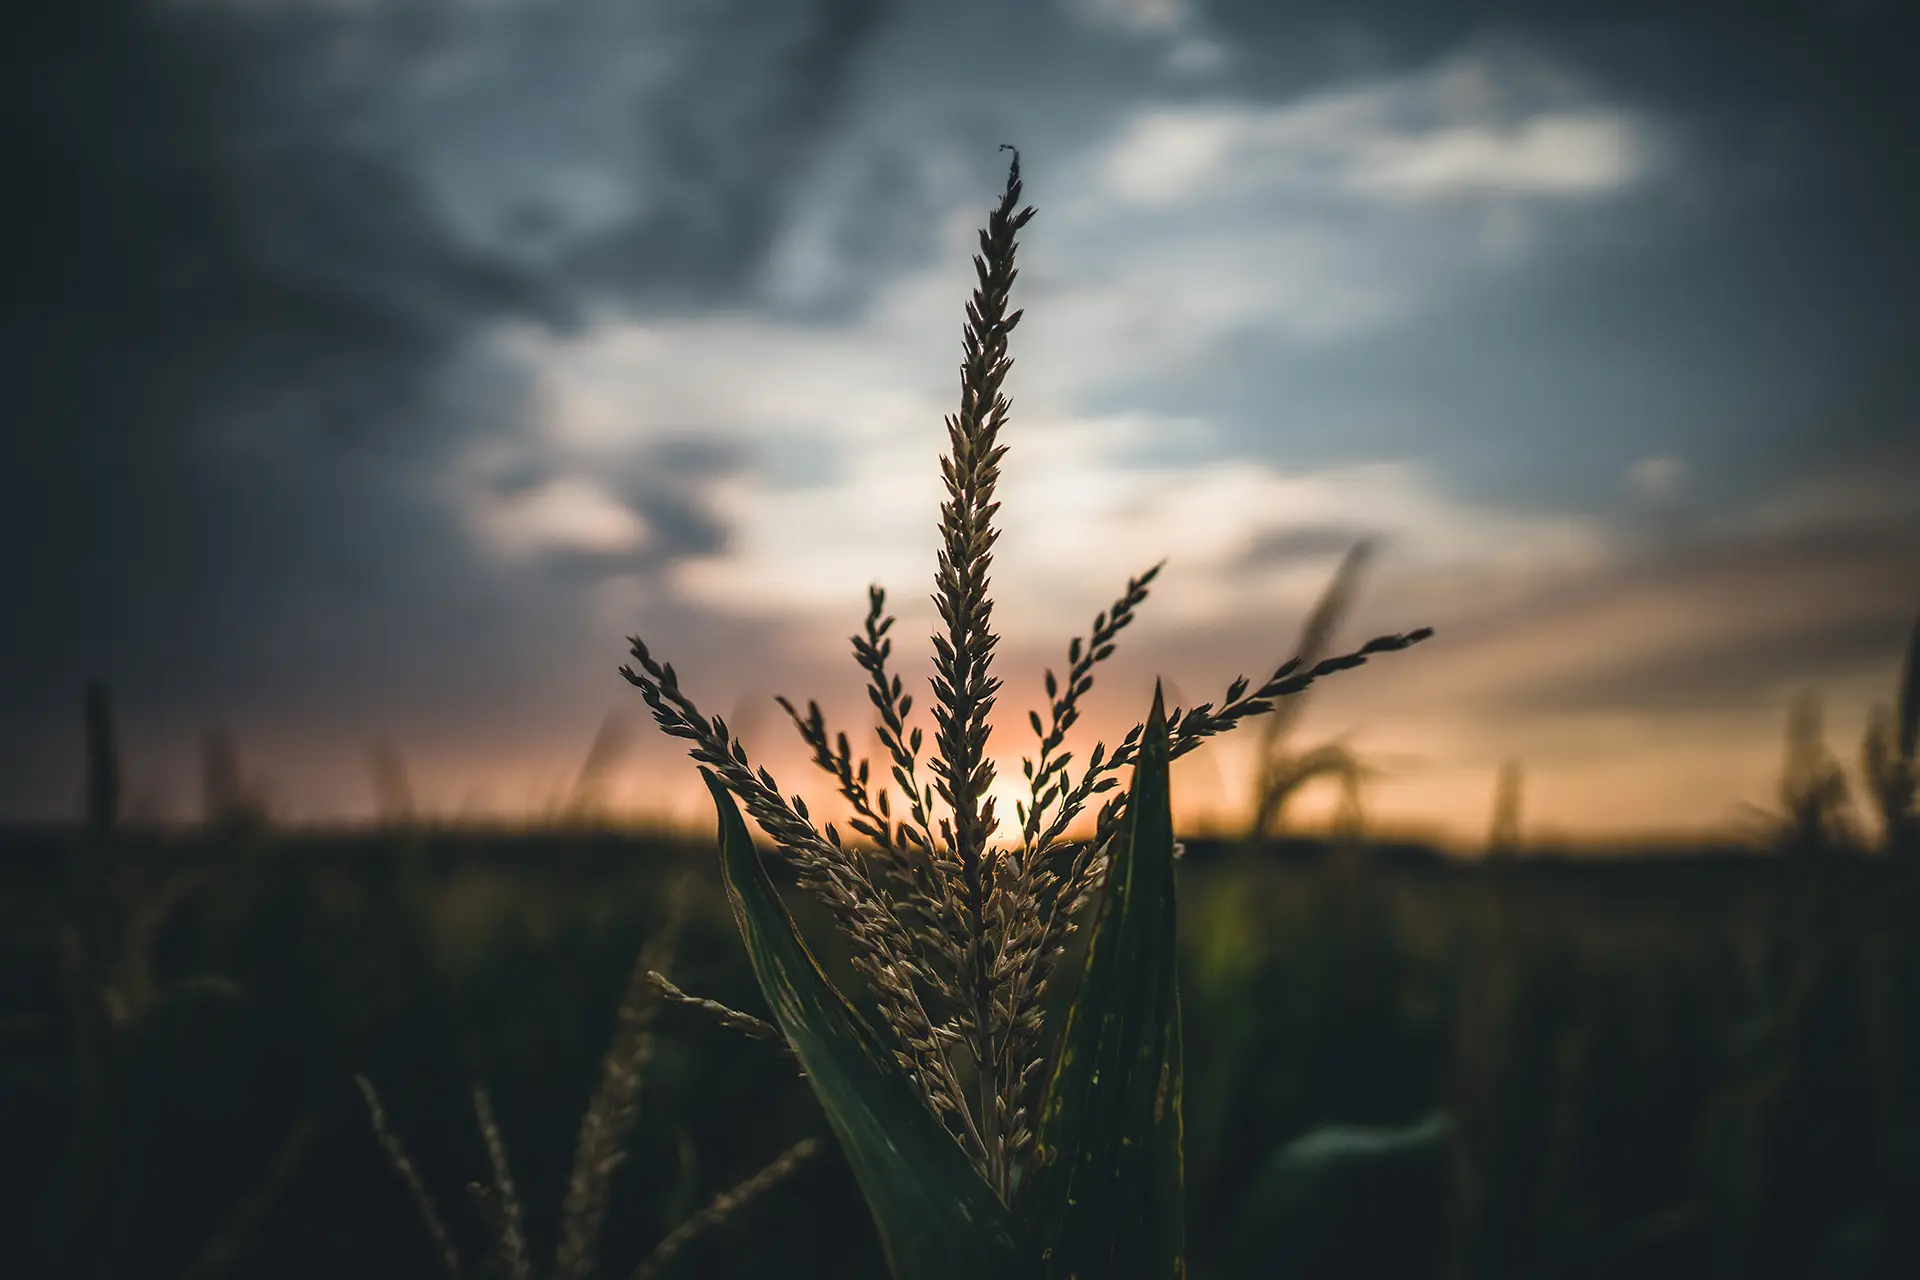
[
  {"x": 612, "y": 742},
  {"x": 229, "y": 800},
  {"x": 117, "y": 1004},
  {"x": 975, "y": 1159},
  {"x": 103, "y": 763},
  {"x": 1813, "y": 816},
  {"x": 392, "y": 792},
  {"x": 1888, "y": 759},
  {"x": 605, "y": 1130},
  {"x": 1281, "y": 774},
  {"x": 1503, "y": 831}
]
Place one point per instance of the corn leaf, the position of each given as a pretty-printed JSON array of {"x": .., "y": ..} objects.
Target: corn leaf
[
  {"x": 1109, "y": 1194},
  {"x": 937, "y": 1219}
]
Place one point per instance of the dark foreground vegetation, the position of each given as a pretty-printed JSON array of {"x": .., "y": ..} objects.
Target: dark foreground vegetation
[{"x": 1397, "y": 1065}]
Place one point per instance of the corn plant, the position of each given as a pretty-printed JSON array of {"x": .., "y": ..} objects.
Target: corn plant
[{"x": 982, "y": 1150}]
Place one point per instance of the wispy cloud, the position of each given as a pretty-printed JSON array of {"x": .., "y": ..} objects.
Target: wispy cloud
[
  {"x": 1177, "y": 24},
  {"x": 1493, "y": 122},
  {"x": 569, "y": 514},
  {"x": 1136, "y": 15},
  {"x": 1657, "y": 481}
]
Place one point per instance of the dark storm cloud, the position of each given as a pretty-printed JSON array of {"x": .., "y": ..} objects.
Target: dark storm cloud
[
  {"x": 1750, "y": 305},
  {"x": 735, "y": 126},
  {"x": 239, "y": 350},
  {"x": 679, "y": 458},
  {"x": 662, "y": 482},
  {"x": 221, "y": 335},
  {"x": 519, "y": 477},
  {"x": 663, "y": 485},
  {"x": 1812, "y": 601},
  {"x": 879, "y": 214},
  {"x": 1729, "y": 673}
]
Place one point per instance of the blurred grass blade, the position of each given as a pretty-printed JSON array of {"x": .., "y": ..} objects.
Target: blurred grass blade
[
  {"x": 1110, "y": 1192},
  {"x": 936, "y": 1217},
  {"x": 1316, "y": 1204}
]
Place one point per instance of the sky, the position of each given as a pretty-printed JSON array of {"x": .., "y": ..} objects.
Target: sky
[{"x": 377, "y": 366}]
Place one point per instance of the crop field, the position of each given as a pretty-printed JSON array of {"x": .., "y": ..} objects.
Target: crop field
[{"x": 1399, "y": 1065}]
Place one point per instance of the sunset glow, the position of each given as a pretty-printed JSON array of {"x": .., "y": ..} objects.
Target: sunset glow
[{"x": 1613, "y": 371}]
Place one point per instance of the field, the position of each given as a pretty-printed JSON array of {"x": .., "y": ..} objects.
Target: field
[{"x": 1397, "y": 1065}]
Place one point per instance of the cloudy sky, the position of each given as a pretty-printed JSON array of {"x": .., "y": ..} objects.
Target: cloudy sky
[{"x": 376, "y": 366}]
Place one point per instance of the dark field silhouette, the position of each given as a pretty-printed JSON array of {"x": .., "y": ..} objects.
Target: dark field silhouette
[{"x": 1676, "y": 1066}]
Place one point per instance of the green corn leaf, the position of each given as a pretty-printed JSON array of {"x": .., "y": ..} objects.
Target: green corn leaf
[
  {"x": 937, "y": 1219},
  {"x": 1109, "y": 1195}
]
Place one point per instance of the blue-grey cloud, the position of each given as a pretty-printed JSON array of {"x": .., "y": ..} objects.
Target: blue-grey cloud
[
  {"x": 241, "y": 357},
  {"x": 273, "y": 456}
]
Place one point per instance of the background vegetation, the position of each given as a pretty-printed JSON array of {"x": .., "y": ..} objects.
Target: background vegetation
[{"x": 1398, "y": 1064}]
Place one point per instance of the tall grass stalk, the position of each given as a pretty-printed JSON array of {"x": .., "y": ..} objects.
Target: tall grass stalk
[
  {"x": 1890, "y": 759},
  {"x": 126, "y": 1018},
  {"x": 103, "y": 763},
  {"x": 1282, "y": 772},
  {"x": 605, "y": 1130}
]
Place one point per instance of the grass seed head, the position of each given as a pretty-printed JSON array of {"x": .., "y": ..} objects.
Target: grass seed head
[{"x": 958, "y": 937}]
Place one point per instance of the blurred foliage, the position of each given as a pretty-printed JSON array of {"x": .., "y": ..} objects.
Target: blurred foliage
[
  {"x": 1658, "y": 1067},
  {"x": 1281, "y": 770}
]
